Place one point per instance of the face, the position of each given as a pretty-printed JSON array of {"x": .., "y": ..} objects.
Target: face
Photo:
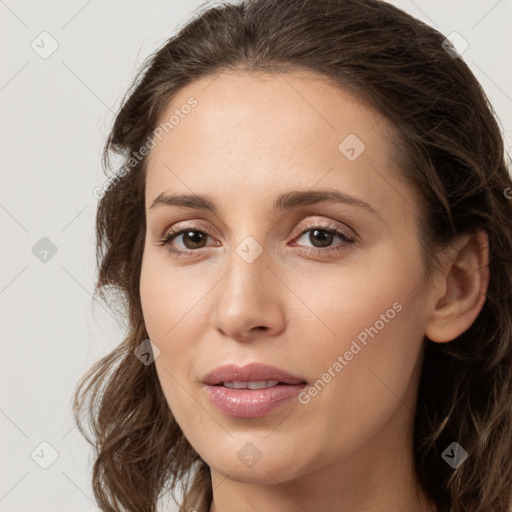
[{"x": 273, "y": 269}]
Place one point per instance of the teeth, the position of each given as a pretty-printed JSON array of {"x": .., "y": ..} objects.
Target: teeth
[
  {"x": 260, "y": 384},
  {"x": 253, "y": 384}
]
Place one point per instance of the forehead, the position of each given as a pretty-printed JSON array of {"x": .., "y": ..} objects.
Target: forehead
[
  {"x": 292, "y": 105},
  {"x": 256, "y": 133}
]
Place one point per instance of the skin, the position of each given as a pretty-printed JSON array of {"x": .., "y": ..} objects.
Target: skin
[{"x": 250, "y": 138}]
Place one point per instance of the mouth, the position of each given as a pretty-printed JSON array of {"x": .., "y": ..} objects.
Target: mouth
[
  {"x": 253, "y": 376},
  {"x": 244, "y": 402},
  {"x": 253, "y": 384},
  {"x": 251, "y": 391}
]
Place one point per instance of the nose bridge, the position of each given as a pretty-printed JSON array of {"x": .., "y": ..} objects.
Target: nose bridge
[
  {"x": 248, "y": 268},
  {"x": 244, "y": 300},
  {"x": 247, "y": 250}
]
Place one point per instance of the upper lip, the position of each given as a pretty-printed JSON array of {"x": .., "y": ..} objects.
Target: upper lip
[{"x": 250, "y": 372}]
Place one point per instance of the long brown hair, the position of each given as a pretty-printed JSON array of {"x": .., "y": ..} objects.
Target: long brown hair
[{"x": 449, "y": 146}]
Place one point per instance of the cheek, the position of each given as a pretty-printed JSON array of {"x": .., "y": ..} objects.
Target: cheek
[
  {"x": 366, "y": 372},
  {"x": 173, "y": 306},
  {"x": 171, "y": 300},
  {"x": 168, "y": 311},
  {"x": 158, "y": 294},
  {"x": 372, "y": 298}
]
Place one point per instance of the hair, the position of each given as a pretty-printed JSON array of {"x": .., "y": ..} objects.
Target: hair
[{"x": 449, "y": 147}]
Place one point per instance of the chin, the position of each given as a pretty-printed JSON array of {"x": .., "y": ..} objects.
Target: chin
[
  {"x": 260, "y": 473},
  {"x": 263, "y": 466}
]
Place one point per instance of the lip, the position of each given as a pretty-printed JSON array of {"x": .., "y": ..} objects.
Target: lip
[
  {"x": 251, "y": 403},
  {"x": 251, "y": 371}
]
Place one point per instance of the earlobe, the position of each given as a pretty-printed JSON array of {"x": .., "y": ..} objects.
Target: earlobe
[{"x": 465, "y": 284}]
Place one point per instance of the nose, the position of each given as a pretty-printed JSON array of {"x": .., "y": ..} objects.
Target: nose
[{"x": 248, "y": 303}]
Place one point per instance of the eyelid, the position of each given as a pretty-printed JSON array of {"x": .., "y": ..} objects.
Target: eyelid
[
  {"x": 192, "y": 224},
  {"x": 303, "y": 226},
  {"x": 327, "y": 225},
  {"x": 339, "y": 230}
]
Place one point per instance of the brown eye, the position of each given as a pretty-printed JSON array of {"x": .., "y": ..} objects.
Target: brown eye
[
  {"x": 323, "y": 238},
  {"x": 193, "y": 239}
]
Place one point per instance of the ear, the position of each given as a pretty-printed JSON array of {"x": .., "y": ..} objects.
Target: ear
[{"x": 461, "y": 292}]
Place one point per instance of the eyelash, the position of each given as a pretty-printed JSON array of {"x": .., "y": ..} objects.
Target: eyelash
[{"x": 347, "y": 240}]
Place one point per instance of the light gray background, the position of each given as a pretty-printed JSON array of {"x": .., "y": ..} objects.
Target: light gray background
[{"x": 55, "y": 115}]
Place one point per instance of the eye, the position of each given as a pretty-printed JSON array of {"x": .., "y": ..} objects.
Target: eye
[
  {"x": 192, "y": 239},
  {"x": 322, "y": 237}
]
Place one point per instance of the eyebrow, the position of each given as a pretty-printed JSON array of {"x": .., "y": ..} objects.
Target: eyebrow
[{"x": 286, "y": 201}]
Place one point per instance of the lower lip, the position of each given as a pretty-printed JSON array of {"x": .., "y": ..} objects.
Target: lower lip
[{"x": 252, "y": 403}]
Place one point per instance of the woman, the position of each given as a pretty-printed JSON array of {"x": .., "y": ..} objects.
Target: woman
[{"x": 312, "y": 232}]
